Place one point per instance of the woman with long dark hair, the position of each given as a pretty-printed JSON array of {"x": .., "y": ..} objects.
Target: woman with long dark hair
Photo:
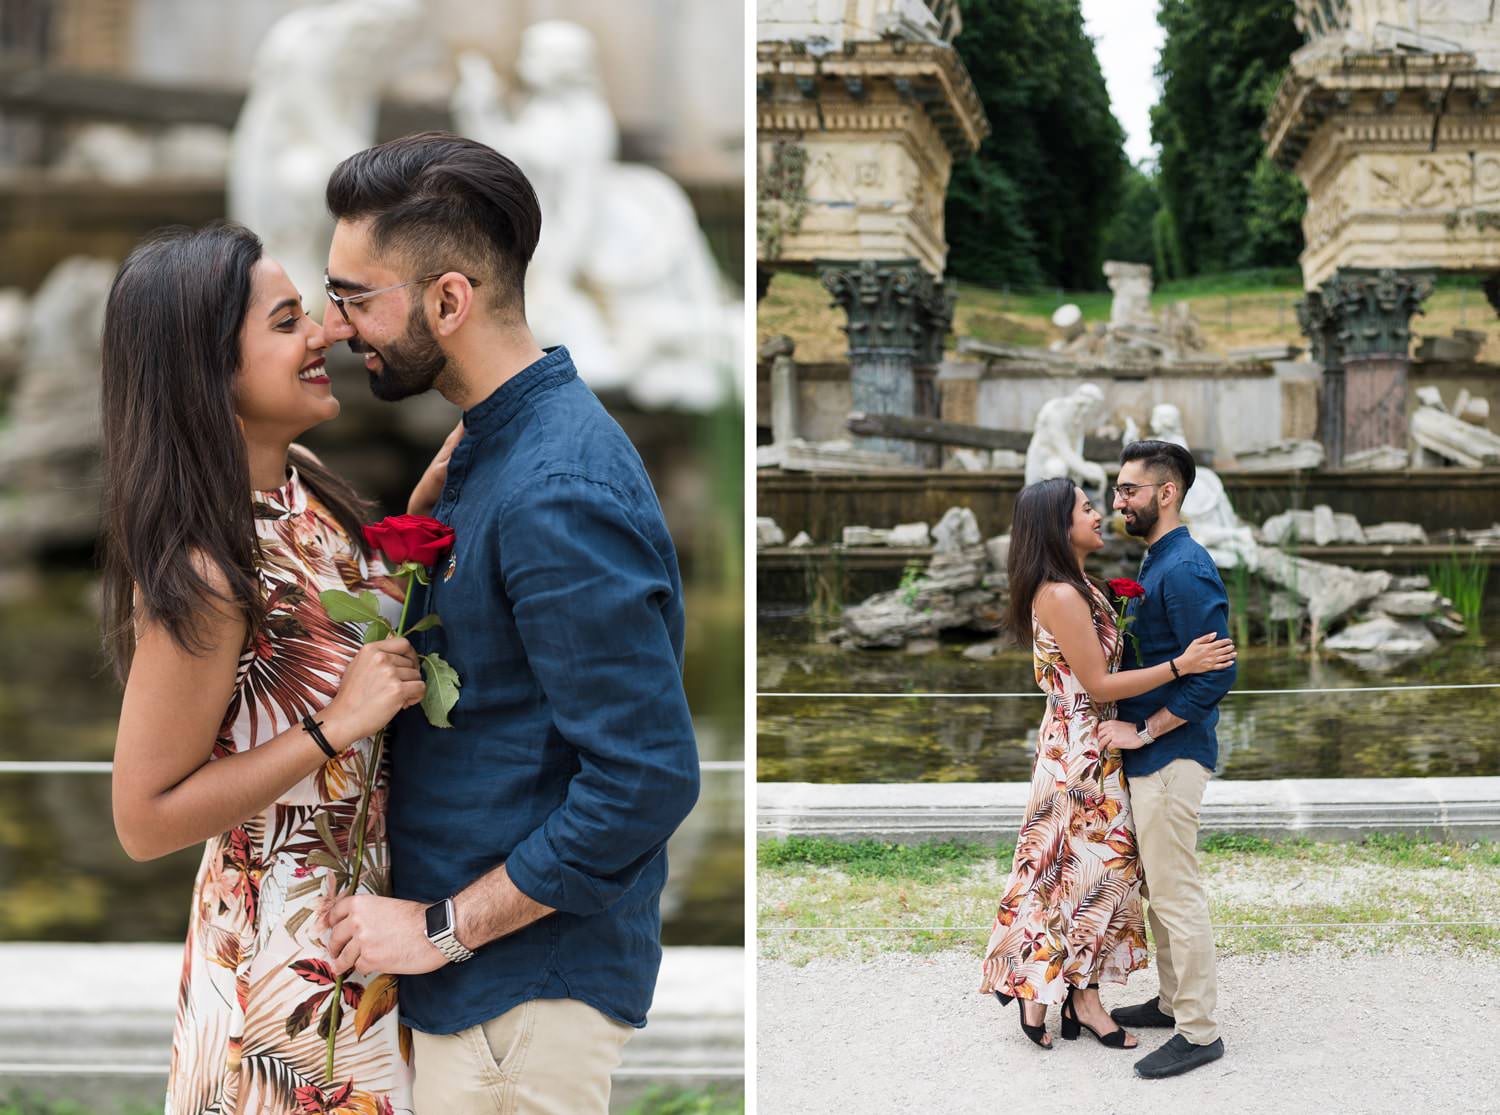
[
  {"x": 1071, "y": 910},
  {"x": 219, "y": 535}
]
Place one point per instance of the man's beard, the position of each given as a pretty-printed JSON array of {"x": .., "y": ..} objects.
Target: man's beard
[
  {"x": 1145, "y": 519},
  {"x": 409, "y": 365}
]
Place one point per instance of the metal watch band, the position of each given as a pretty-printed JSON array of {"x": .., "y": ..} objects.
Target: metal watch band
[
  {"x": 446, "y": 942},
  {"x": 1144, "y": 733}
]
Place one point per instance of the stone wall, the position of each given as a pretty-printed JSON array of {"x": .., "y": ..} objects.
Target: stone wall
[
  {"x": 824, "y": 503},
  {"x": 1224, "y": 410}
]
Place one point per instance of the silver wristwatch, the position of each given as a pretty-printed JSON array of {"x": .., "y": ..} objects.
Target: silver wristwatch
[
  {"x": 1143, "y": 733},
  {"x": 440, "y": 932}
]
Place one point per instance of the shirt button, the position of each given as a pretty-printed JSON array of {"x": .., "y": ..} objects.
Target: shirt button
[{"x": 451, "y": 494}]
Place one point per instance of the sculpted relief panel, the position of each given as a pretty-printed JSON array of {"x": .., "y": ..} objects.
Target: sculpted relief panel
[
  {"x": 1486, "y": 179},
  {"x": 1439, "y": 182},
  {"x": 1401, "y": 183},
  {"x": 869, "y": 198},
  {"x": 1420, "y": 182}
]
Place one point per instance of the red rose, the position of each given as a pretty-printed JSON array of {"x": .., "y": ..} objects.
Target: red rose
[
  {"x": 410, "y": 538},
  {"x": 1123, "y": 587}
]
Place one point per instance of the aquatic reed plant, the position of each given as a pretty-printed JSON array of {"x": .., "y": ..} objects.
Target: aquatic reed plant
[
  {"x": 1239, "y": 603},
  {"x": 823, "y": 580},
  {"x": 1263, "y": 599},
  {"x": 1462, "y": 580},
  {"x": 1294, "y": 620}
]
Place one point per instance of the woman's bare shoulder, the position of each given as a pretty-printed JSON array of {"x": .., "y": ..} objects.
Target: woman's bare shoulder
[{"x": 1059, "y": 595}]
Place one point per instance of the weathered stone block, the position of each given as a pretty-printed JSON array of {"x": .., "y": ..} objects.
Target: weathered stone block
[{"x": 767, "y": 533}]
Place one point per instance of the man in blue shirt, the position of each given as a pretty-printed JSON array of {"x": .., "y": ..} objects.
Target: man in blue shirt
[
  {"x": 527, "y": 840},
  {"x": 1184, "y": 599}
]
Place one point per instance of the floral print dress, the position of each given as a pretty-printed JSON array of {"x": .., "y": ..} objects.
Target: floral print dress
[
  {"x": 257, "y": 982},
  {"x": 1071, "y": 911}
]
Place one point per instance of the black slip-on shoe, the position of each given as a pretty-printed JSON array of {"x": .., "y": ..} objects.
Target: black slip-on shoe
[
  {"x": 1143, "y": 1015},
  {"x": 1178, "y": 1056}
]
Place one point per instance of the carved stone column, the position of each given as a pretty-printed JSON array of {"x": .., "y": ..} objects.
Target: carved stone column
[
  {"x": 898, "y": 315},
  {"x": 935, "y": 318},
  {"x": 1321, "y": 330},
  {"x": 1367, "y": 312}
]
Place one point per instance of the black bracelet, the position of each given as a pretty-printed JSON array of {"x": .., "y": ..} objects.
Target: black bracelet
[
  {"x": 1172, "y": 662},
  {"x": 314, "y": 728}
]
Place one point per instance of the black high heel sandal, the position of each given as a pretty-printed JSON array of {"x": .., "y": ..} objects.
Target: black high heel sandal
[
  {"x": 1071, "y": 1025},
  {"x": 1035, "y": 1033}
]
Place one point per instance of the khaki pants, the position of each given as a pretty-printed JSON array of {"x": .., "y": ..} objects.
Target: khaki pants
[
  {"x": 545, "y": 1057},
  {"x": 1165, "y": 804}
]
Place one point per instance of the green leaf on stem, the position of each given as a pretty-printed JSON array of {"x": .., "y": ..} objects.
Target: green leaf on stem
[
  {"x": 342, "y": 607},
  {"x": 329, "y": 861},
  {"x": 442, "y": 690},
  {"x": 429, "y": 620},
  {"x": 377, "y": 630}
]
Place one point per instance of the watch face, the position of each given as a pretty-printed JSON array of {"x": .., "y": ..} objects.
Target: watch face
[{"x": 437, "y": 918}]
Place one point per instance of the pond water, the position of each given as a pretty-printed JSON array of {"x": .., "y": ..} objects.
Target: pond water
[
  {"x": 975, "y": 739},
  {"x": 64, "y": 877}
]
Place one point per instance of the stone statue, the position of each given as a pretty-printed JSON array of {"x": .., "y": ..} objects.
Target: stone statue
[
  {"x": 49, "y": 447},
  {"x": 314, "y": 96},
  {"x": 1206, "y": 510},
  {"x": 1056, "y": 447},
  {"x": 14, "y": 316},
  {"x": 622, "y": 274}
]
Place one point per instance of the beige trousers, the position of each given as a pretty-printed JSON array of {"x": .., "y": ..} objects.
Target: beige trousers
[
  {"x": 1165, "y": 804},
  {"x": 545, "y": 1057}
]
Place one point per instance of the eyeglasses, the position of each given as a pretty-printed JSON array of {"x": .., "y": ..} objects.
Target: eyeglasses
[
  {"x": 341, "y": 300},
  {"x": 1127, "y": 491}
]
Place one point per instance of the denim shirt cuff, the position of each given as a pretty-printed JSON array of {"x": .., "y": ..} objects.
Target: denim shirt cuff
[{"x": 541, "y": 875}]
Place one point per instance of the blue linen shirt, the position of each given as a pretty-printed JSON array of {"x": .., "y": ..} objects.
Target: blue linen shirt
[
  {"x": 1184, "y": 599},
  {"x": 571, "y": 757}
]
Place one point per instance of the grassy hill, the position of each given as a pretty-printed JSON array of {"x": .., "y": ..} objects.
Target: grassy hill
[{"x": 1234, "y": 310}]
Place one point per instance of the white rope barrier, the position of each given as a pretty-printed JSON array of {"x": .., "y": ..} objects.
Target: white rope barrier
[
  {"x": 710, "y": 766},
  {"x": 1232, "y": 693},
  {"x": 112, "y": 1068},
  {"x": 1242, "y": 925}
]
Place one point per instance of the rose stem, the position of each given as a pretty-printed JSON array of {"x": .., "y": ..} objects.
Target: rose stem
[{"x": 359, "y": 826}]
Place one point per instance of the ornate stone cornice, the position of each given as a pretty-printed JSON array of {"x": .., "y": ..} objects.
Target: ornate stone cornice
[
  {"x": 1381, "y": 90},
  {"x": 795, "y": 87},
  {"x": 893, "y": 306}
]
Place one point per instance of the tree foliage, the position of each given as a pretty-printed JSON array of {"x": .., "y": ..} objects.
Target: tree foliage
[
  {"x": 1129, "y": 236},
  {"x": 1033, "y": 205},
  {"x": 1229, "y": 207}
]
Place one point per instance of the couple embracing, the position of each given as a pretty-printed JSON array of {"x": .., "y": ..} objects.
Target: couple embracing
[
  {"x": 505, "y": 938},
  {"x": 1125, "y": 750}
]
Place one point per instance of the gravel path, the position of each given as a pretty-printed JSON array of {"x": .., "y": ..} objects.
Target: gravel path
[{"x": 1311, "y": 1033}]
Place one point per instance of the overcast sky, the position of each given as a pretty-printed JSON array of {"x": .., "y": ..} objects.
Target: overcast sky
[{"x": 1128, "y": 39}]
